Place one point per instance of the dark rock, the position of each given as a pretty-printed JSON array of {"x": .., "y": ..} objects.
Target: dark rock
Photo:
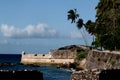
[
  {"x": 113, "y": 74},
  {"x": 96, "y": 74},
  {"x": 21, "y": 75},
  {"x": 7, "y": 64}
]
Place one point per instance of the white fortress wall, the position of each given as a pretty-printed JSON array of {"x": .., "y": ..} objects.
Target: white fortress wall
[
  {"x": 35, "y": 58},
  {"x": 42, "y": 58}
]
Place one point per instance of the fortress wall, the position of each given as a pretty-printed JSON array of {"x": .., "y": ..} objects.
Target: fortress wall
[
  {"x": 63, "y": 54},
  {"x": 62, "y": 61},
  {"x": 36, "y": 56},
  {"x": 42, "y": 59},
  {"x": 103, "y": 60},
  {"x": 30, "y": 60}
]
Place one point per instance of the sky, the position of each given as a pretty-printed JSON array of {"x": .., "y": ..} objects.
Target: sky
[{"x": 37, "y": 26}]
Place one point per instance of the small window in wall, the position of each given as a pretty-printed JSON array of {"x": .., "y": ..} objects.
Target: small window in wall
[
  {"x": 43, "y": 55},
  {"x": 52, "y": 61},
  {"x": 35, "y": 55}
]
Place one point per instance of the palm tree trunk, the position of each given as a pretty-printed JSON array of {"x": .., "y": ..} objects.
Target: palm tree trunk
[{"x": 84, "y": 38}]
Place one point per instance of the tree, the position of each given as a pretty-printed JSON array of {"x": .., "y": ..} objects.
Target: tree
[
  {"x": 106, "y": 28},
  {"x": 73, "y": 16},
  {"x": 107, "y": 24}
]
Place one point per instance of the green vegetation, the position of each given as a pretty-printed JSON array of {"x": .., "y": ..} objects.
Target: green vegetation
[
  {"x": 106, "y": 27},
  {"x": 112, "y": 61},
  {"x": 81, "y": 55}
]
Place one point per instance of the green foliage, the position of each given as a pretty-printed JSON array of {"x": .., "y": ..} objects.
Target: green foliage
[
  {"x": 107, "y": 24},
  {"x": 72, "y": 15},
  {"x": 81, "y": 55},
  {"x": 112, "y": 61}
]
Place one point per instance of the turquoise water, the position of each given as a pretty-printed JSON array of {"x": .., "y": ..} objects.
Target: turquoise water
[{"x": 49, "y": 72}]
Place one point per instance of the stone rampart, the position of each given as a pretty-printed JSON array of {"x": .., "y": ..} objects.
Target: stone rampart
[
  {"x": 103, "y": 60},
  {"x": 63, "y": 54}
]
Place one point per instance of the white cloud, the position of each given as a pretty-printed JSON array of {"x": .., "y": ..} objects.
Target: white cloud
[
  {"x": 75, "y": 34},
  {"x": 30, "y": 31},
  {"x": 35, "y": 31}
]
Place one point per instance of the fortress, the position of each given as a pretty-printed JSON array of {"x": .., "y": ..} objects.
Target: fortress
[
  {"x": 98, "y": 65},
  {"x": 53, "y": 57},
  {"x": 62, "y": 55}
]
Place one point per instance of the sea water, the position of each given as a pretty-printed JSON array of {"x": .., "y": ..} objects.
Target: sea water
[{"x": 49, "y": 72}]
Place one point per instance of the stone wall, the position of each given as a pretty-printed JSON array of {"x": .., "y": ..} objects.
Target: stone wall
[
  {"x": 63, "y": 54},
  {"x": 36, "y": 56},
  {"x": 103, "y": 60},
  {"x": 100, "y": 65},
  {"x": 43, "y": 59}
]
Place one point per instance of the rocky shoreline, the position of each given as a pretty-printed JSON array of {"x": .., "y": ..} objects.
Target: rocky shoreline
[
  {"x": 96, "y": 74},
  {"x": 86, "y": 75}
]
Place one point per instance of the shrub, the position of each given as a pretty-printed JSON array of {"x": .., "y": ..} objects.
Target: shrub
[{"x": 82, "y": 55}]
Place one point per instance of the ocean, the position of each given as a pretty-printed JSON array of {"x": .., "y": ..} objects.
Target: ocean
[{"x": 49, "y": 72}]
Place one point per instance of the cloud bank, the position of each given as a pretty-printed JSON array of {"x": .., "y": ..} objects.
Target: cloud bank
[
  {"x": 35, "y": 31},
  {"x": 30, "y": 31}
]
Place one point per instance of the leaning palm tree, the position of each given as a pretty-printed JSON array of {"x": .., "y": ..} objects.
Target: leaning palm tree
[{"x": 72, "y": 15}]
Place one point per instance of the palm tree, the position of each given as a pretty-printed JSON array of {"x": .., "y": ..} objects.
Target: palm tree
[{"x": 72, "y": 15}]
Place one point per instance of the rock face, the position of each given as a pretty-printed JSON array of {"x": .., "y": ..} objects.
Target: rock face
[
  {"x": 7, "y": 64},
  {"x": 20, "y": 75},
  {"x": 96, "y": 74},
  {"x": 110, "y": 74}
]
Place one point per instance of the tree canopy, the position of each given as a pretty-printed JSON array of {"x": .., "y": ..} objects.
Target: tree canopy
[{"x": 106, "y": 27}]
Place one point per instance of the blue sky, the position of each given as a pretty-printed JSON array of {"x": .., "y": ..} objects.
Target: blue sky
[{"x": 36, "y": 26}]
